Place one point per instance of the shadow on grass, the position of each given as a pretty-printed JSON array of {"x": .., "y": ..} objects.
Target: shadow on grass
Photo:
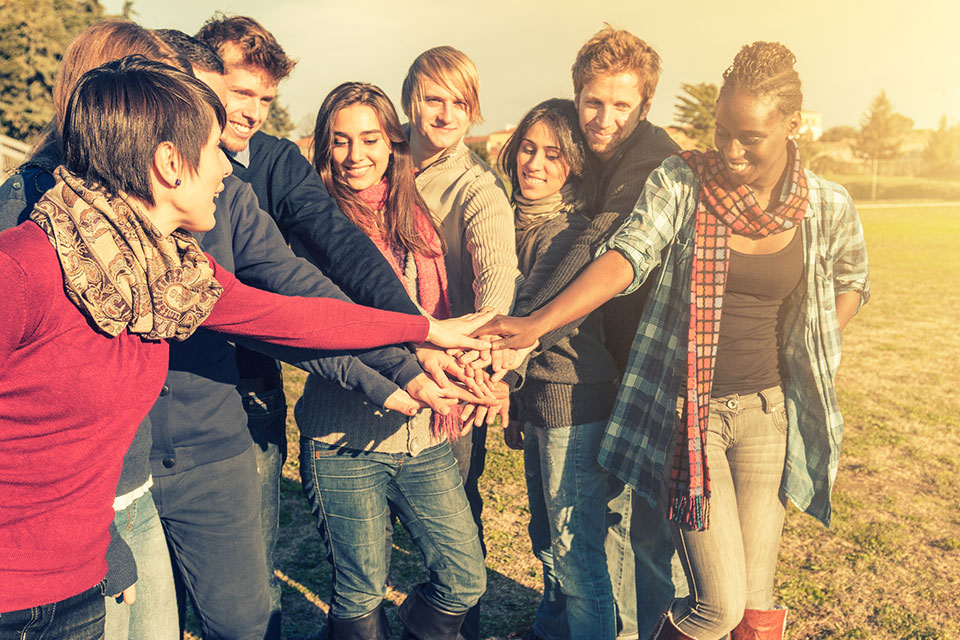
[{"x": 305, "y": 576}]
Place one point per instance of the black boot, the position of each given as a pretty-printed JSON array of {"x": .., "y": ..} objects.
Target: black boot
[
  {"x": 370, "y": 626},
  {"x": 422, "y": 621}
]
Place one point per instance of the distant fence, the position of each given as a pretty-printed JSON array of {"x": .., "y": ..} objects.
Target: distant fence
[{"x": 12, "y": 153}]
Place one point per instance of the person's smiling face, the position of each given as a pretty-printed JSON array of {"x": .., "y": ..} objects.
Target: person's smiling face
[
  {"x": 197, "y": 191},
  {"x": 249, "y": 94},
  {"x": 361, "y": 150},
  {"x": 441, "y": 117},
  {"x": 751, "y": 136},
  {"x": 610, "y": 108},
  {"x": 541, "y": 168}
]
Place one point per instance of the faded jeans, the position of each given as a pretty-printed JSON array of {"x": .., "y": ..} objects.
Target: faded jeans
[
  {"x": 348, "y": 491},
  {"x": 267, "y": 422},
  {"x": 731, "y": 565},
  {"x": 154, "y": 614},
  {"x": 645, "y": 571},
  {"x": 566, "y": 490}
]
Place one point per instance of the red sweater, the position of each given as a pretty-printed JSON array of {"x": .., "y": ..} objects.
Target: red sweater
[{"x": 71, "y": 399}]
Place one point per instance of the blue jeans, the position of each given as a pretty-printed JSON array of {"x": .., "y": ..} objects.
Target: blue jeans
[
  {"x": 154, "y": 614},
  {"x": 348, "y": 492},
  {"x": 78, "y": 617},
  {"x": 566, "y": 489},
  {"x": 267, "y": 421},
  {"x": 645, "y": 571},
  {"x": 731, "y": 565},
  {"x": 211, "y": 517}
]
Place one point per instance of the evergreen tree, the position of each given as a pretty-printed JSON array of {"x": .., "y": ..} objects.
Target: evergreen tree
[
  {"x": 278, "y": 122},
  {"x": 882, "y": 131},
  {"x": 33, "y": 36},
  {"x": 943, "y": 148},
  {"x": 697, "y": 111}
]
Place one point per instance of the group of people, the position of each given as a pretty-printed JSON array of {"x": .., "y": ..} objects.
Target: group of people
[{"x": 162, "y": 253}]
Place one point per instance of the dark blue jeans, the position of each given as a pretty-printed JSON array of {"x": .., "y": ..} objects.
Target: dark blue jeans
[
  {"x": 78, "y": 617},
  {"x": 566, "y": 491},
  {"x": 267, "y": 421},
  {"x": 348, "y": 492},
  {"x": 211, "y": 517}
]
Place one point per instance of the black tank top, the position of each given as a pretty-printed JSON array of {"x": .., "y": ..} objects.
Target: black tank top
[{"x": 747, "y": 354}]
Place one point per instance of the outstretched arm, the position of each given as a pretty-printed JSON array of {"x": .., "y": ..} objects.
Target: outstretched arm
[{"x": 606, "y": 276}]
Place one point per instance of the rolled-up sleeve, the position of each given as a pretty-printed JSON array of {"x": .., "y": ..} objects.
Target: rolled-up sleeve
[
  {"x": 668, "y": 194},
  {"x": 851, "y": 271}
]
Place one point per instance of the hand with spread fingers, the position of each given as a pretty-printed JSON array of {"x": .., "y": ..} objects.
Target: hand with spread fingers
[{"x": 441, "y": 366}]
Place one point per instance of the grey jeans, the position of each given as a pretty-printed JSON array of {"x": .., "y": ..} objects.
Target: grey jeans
[{"x": 730, "y": 566}]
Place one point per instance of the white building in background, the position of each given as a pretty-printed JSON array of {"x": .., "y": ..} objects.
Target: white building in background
[
  {"x": 811, "y": 122},
  {"x": 12, "y": 153}
]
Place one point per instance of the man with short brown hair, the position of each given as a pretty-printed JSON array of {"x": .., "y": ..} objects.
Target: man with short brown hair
[{"x": 615, "y": 76}]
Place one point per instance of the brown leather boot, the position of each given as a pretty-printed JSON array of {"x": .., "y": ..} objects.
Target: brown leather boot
[
  {"x": 667, "y": 630},
  {"x": 761, "y": 625}
]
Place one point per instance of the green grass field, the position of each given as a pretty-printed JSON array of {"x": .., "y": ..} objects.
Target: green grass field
[{"x": 889, "y": 568}]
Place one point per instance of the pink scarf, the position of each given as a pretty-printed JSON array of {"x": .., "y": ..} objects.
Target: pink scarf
[{"x": 431, "y": 285}]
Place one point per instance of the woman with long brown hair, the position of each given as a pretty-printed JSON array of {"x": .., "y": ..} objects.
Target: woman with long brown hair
[{"x": 353, "y": 457}]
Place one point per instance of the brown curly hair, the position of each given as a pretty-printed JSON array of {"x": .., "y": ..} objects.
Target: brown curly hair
[
  {"x": 611, "y": 51},
  {"x": 258, "y": 48},
  {"x": 766, "y": 68}
]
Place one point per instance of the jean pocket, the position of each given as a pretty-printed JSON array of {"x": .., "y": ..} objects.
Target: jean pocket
[
  {"x": 779, "y": 415},
  {"x": 264, "y": 405}
]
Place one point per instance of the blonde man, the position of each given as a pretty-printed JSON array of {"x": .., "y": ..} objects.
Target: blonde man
[{"x": 440, "y": 96}]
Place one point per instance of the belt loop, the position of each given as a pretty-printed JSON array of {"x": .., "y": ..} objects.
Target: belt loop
[{"x": 765, "y": 401}]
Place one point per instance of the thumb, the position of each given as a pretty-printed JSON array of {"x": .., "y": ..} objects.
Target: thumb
[{"x": 401, "y": 402}]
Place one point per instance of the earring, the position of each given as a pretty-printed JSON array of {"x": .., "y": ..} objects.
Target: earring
[{"x": 177, "y": 183}]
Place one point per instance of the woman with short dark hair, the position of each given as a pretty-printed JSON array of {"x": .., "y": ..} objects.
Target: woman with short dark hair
[
  {"x": 92, "y": 286},
  {"x": 728, "y": 406}
]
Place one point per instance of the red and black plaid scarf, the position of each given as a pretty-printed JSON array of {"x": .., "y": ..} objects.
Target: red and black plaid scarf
[{"x": 723, "y": 208}]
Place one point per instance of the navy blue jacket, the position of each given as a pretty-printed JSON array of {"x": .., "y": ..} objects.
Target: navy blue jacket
[
  {"x": 291, "y": 191},
  {"x": 199, "y": 417}
]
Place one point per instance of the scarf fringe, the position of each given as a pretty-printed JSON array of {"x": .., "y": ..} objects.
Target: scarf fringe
[
  {"x": 447, "y": 426},
  {"x": 692, "y": 511}
]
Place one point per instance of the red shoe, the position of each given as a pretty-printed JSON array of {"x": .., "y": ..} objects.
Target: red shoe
[{"x": 761, "y": 625}]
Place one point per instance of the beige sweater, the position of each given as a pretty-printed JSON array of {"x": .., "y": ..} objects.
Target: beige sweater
[{"x": 469, "y": 204}]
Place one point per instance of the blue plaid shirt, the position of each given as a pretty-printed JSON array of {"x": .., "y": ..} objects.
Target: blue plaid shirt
[{"x": 661, "y": 229}]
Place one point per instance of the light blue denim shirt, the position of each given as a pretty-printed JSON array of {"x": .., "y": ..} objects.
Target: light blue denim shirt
[{"x": 661, "y": 228}]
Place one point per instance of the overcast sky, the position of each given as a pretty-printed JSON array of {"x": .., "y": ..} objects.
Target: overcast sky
[{"x": 847, "y": 51}]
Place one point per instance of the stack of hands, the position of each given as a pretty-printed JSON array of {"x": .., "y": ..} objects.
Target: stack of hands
[{"x": 465, "y": 360}]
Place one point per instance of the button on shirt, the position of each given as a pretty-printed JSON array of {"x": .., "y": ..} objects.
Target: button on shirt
[{"x": 644, "y": 416}]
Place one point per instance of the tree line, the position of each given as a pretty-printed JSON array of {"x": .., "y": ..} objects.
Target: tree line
[{"x": 34, "y": 35}]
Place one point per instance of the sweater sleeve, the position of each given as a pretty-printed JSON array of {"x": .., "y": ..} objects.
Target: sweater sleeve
[
  {"x": 490, "y": 238},
  {"x": 313, "y": 323},
  {"x": 121, "y": 566},
  {"x": 551, "y": 253},
  {"x": 264, "y": 260},
  {"x": 301, "y": 206},
  {"x": 12, "y": 289}
]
